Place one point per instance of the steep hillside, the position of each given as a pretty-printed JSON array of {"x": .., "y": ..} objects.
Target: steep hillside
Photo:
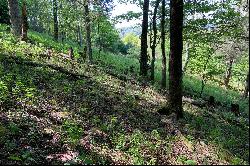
[{"x": 58, "y": 111}]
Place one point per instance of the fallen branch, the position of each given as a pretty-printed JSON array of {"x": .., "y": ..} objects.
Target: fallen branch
[
  {"x": 200, "y": 103},
  {"x": 230, "y": 121},
  {"x": 35, "y": 64},
  {"x": 119, "y": 76}
]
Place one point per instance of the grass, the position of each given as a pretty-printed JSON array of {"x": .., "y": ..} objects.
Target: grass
[
  {"x": 121, "y": 64},
  {"x": 192, "y": 85},
  {"x": 51, "y": 118}
]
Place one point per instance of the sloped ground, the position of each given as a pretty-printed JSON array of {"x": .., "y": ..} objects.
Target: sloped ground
[
  {"x": 48, "y": 117},
  {"x": 51, "y": 118}
]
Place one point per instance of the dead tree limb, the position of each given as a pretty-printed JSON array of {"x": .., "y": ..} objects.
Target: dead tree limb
[{"x": 36, "y": 64}]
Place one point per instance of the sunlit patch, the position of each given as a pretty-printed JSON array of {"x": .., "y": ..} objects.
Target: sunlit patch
[
  {"x": 64, "y": 157},
  {"x": 109, "y": 117}
]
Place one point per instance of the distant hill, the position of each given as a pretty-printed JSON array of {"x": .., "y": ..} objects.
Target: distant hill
[{"x": 134, "y": 29}]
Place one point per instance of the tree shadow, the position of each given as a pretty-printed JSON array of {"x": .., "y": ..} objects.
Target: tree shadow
[
  {"x": 230, "y": 139},
  {"x": 93, "y": 105}
]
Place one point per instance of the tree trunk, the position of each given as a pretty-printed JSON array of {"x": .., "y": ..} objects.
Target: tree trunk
[
  {"x": 228, "y": 73},
  {"x": 55, "y": 9},
  {"x": 88, "y": 33},
  {"x": 63, "y": 36},
  {"x": 246, "y": 87},
  {"x": 25, "y": 25},
  {"x": 80, "y": 36},
  {"x": 153, "y": 46},
  {"x": 163, "y": 40},
  {"x": 99, "y": 38},
  {"x": 175, "y": 60},
  {"x": 144, "y": 46},
  {"x": 14, "y": 17},
  {"x": 203, "y": 82},
  {"x": 186, "y": 59},
  {"x": 77, "y": 35}
]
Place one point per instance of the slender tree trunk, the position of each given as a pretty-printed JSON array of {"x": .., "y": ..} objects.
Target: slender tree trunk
[
  {"x": 153, "y": 46},
  {"x": 203, "y": 82},
  {"x": 150, "y": 34},
  {"x": 63, "y": 36},
  {"x": 77, "y": 35},
  {"x": 186, "y": 59},
  {"x": 80, "y": 35},
  {"x": 99, "y": 38},
  {"x": 55, "y": 11},
  {"x": 25, "y": 25},
  {"x": 88, "y": 32},
  {"x": 175, "y": 63},
  {"x": 228, "y": 73},
  {"x": 246, "y": 87},
  {"x": 144, "y": 46},
  {"x": 163, "y": 40},
  {"x": 187, "y": 44},
  {"x": 14, "y": 17}
]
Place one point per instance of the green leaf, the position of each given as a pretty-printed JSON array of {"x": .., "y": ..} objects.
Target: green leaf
[
  {"x": 190, "y": 162},
  {"x": 16, "y": 158}
]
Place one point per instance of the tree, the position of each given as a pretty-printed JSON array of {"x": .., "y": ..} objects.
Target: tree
[
  {"x": 39, "y": 16},
  {"x": 131, "y": 39},
  {"x": 24, "y": 34},
  {"x": 144, "y": 46},
  {"x": 202, "y": 30},
  {"x": 246, "y": 86},
  {"x": 153, "y": 46},
  {"x": 55, "y": 12},
  {"x": 79, "y": 35},
  {"x": 105, "y": 36},
  {"x": 163, "y": 41},
  {"x": 88, "y": 32},
  {"x": 175, "y": 60},
  {"x": 4, "y": 15},
  {"x": 14, "y": 17},
  {"x": 228, "y": 72},
  {"x": 187, "y": 57}
]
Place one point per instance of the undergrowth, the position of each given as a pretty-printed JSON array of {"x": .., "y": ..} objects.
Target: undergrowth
[{"x": 48, "y": 117}]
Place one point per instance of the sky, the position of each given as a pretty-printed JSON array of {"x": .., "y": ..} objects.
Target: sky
[{"x": 122, "y": 9}]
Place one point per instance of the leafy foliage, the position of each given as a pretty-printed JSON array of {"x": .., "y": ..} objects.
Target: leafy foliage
[{"x": 55, "y": 110}]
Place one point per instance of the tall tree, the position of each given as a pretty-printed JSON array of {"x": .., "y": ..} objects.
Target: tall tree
[
  {"x": 4, "y": 12},
  {"x": 24, "y": 34},
  {"x": 175, "y": 60},
  {"x": 163, "y": 41},
  {"x": 14, "y": 17},
  {"x": 186, "y": 58},
  {"x": 55, "y": 12},
  {"x": 88, "y": 32},
  {"x": 153, "y": 46},
  {"x": 144, "y": 45},
  {"x": 229, "y": 72},
  {"x": 80, "y": 35},
  {"x": 246, "y": 86}
]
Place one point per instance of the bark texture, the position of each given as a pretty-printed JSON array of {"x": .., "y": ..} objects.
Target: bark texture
[
  {"x": 175, "y": 64},
  {"x": 55, "y": 11},
  {"x": 14, "y": 17},
  {"x": 88, "y": 33},
  {"x": 25, "y": 24},
  {"x": 80, "y": 36},
  {"x": 153, "y": 46},
  {"x": 163, "y": 41},
  {"x": 186, "y": 59},
  {"x": 246, "y": 87},
  {"x": 228, "y": 72},
  {"x": 144, "y": 46}
]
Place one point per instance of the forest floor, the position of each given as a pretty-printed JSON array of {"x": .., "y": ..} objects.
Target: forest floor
[{"x": 50, "y": 116}]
